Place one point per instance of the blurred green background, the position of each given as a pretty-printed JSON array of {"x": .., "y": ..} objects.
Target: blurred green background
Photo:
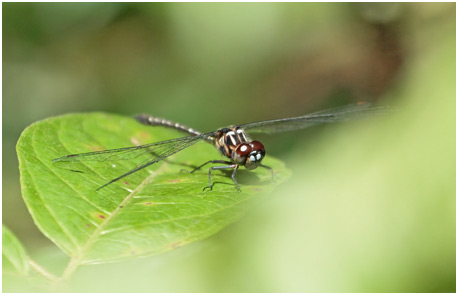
[{"x": 371, "y": 207}]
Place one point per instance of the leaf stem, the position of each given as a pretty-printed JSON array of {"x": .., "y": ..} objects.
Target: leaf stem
[{"x": 71, "y": 267}]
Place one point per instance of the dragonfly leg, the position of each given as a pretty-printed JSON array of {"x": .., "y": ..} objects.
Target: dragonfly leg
[
  {"x": 233, "y": 166},
  {"x": 271, "y": 171},
  {"x": 208, "y": 162},
  {"x": 233, "y": 177}
]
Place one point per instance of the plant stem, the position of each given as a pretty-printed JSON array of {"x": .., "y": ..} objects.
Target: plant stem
[{"x": 71, "y": 267}]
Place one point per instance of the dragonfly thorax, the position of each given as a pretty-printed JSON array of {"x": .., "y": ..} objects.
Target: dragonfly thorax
[{"x": 235, "y": 144}]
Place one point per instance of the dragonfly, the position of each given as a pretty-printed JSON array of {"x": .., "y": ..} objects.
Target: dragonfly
[{"x": 233, "y": 142}]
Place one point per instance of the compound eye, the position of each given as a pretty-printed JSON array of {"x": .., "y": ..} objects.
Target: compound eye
[
  {"x": 243, "y": 149},
  {"x": 257, "y": 146}
]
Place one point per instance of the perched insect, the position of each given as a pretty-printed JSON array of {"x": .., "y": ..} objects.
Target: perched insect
[{"x": 233, "y": 142}]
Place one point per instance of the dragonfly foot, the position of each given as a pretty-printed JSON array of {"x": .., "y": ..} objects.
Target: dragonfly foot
[{"x": 209, "y": 187}]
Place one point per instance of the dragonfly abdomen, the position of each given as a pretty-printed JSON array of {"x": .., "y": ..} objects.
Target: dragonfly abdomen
[{"x": 155, "y": 121}]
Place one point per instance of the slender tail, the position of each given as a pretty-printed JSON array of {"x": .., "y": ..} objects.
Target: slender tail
[{"x": 155, "y": 121}]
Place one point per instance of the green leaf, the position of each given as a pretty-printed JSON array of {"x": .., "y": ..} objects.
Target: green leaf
[
  {"x": 14, "y": 258},
  {"x": 151, "y": 211}
]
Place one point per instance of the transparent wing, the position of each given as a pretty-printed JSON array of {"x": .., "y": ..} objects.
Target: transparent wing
[
  {"x": 340, "y": 114},
  {"x": 158, "y": 151}
]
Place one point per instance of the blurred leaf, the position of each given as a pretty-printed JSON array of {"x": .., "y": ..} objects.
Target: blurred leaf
[
  {"x": 20, "y": 273},
  {"x": 14, "y": 258},
  {"x": 151, "y": 211}
]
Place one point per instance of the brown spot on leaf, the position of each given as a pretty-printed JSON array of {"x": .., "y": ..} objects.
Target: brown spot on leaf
[
  {"x": 144, "y": 135},
  {"x": 148, "y": 203},
  {"x": 125, "y": 182},
  {"x": 174, "y": 180},
  {"x": 88, "y": 225},
  {"x": 101, "y": 216}
]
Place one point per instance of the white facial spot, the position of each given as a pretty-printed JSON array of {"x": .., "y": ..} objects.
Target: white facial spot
[
  {"x": 239, "y": 131},
  {"x": 258, "y": 157},
  {"x": 243, "y": 148},
  {"x": 252, "y": 159}
]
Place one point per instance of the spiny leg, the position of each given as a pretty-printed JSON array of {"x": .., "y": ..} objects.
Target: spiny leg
[
  {"x": 233, "y": 166},
  {"x": 235, "y": 180},
  {"x": 208, "y": 162}
]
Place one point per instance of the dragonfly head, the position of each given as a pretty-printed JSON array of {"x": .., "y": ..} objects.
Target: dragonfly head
[{"x": 249, "y": 154}]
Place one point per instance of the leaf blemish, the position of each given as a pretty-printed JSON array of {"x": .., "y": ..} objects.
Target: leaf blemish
[
  {"x": 126, "y": 183},
  {"x": 144, "y": 135},
  {"x": 135, "y": 141},
  {"x": 174, "y": 180},
  {"x": 96, "y": 148},
  {"x": 148, "y": 203},
  {"x": 88, "y": 225},
  {"x": 101, "y": 216}
]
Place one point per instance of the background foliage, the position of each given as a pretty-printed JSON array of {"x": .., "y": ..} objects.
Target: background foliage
[{"x": 371, "y": 206}]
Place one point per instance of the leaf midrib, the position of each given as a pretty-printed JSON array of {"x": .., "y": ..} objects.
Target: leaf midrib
[{"x": 78, "y": 257}]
